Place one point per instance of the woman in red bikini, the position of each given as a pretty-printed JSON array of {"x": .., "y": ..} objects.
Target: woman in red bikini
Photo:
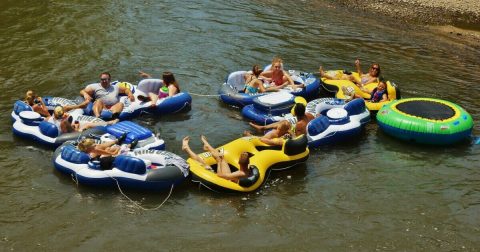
[{"x": 278, "y": 76}]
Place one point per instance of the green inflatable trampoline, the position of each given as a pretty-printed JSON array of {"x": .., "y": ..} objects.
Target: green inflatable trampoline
[{"x": 425, "y": 120}]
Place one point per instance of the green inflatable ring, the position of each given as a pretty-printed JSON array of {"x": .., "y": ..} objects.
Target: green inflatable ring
[{"x": 425, "y": 120}]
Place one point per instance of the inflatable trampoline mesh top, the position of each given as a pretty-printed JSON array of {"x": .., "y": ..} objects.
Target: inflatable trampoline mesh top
[{"x": 426, "y": 109}]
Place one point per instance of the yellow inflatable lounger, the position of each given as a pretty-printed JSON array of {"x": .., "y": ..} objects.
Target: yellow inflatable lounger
[
  {"x": 263, "y": 158},
  {"x": 335, "y": 86}
]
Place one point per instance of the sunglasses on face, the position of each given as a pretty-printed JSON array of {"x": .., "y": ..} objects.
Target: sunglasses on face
[
  {"x": 375, "y": 68},
  {"x": 104, "y": 79}
]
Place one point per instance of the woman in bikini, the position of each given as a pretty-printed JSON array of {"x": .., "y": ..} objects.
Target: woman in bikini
[
  {"x": 253, "y": 84},
  {"x": 365, "y": 78},
  {"x": 65, "y": 123},
  {"x": 106, "y": 152},
  {"x": 170, "y": 88},
  {"x": 223, "y": 169},
  {"x": 278, "y": 76}
]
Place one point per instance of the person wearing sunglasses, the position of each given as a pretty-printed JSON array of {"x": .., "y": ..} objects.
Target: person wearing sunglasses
[
  {"x": 106, "y": 96},
  {"x": 365, "y": 78}
]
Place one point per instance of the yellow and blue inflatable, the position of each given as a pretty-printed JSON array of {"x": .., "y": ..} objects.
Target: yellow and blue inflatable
[
  {"x": 263, "y": 158},
  {"x": 335, "y": 87}
]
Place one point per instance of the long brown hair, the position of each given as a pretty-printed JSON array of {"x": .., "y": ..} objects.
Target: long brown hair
[
  {"x": 244, "y": 159},
  {"x": 378, "y": 69},
  {"x": 256, "y": 70},
  {"x": 168, "y": 79}
]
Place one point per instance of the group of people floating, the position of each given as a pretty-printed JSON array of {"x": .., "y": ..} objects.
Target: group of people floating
[
  {"x": 104, "y": 96},
  {"x": 107, "y": 96}
]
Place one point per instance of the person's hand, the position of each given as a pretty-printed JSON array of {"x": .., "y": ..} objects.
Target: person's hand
[
  {"x": 131, "y": 97},
  {"x": 37, "y": 101},
  {"x": 87, "y": 97}
]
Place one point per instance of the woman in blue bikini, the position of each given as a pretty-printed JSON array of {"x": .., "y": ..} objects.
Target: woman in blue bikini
[{"x": 254, "y": 85}]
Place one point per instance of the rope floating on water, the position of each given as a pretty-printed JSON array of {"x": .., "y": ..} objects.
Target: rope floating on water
[
  {"x": 204, "y": 95},
  {"x": 138, "y": 205}
]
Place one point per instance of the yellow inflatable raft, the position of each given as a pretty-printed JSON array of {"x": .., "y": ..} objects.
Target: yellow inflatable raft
[
  {"x": 263, "y": 158},
  {"x": 335, "y": 86}
]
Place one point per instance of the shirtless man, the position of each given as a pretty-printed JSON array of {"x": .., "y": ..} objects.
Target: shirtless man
[{"x": 298, "y": 129}]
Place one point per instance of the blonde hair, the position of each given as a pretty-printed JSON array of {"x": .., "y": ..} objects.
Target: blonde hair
[
  {"x": 58, "y": 112},
  {"x": 86, "y": 144},
  {"x": 29, "y": 96},
  {"x": 277, "y": 60}
]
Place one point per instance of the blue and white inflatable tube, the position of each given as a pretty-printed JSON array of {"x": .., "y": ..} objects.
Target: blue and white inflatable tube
[
  {"x": 141, "y": 169},
  {"x": 320, "y": 106},
  {"x": 164, "y": 106},
  {"x": 231, "y": 92},
  {"x": 269, "y": 108},
  {"x": 30, "y": 125},
  {"x": 50, "y": 102},
  {"x": 336, "y": 124}
]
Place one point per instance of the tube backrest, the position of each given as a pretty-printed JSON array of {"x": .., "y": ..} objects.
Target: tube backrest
[
  {"x": 252, "y": 179},
  {"x": 295, "y": 146},
  {"x": 130, "y": 164}
]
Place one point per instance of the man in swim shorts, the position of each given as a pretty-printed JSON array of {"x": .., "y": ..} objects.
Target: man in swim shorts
[{"x": 106, "y": 95}]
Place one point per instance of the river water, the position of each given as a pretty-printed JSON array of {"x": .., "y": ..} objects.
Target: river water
[{"x": 373, "y": 193}]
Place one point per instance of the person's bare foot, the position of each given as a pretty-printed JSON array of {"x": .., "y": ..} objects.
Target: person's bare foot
[
  {"x": 206, "y": 145},
  {"x": 255, "y": 126},
  {"x": 113, "y": 121},
  {"x": 322, "y": 72},
  {"x": 247, "y": 133},
  {"x": 185, "y": 145},
  {"x": 203, "y": 139}
]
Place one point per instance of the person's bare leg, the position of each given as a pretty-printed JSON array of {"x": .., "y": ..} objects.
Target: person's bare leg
[
  {"x": 66, "y": 127},
  {"x": 82, "y": 105},
  {"x": 153, "y": 99},
  {"x": 247, "y": 133},
  {"x": 107, "y": 144},
  {"x": 97, "y": 108},
  {"x": 89, "y": 125},
  {"x": 41, "y": 110},
  {"x": 188, "y": 150},
  {"x": 256, "y": 126},
  {"x": 222, "y": 166},
  {"x": 323, "y": 74},
  {"x": 117, "y": 108},
  {"x": 208, "y": 147}
]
